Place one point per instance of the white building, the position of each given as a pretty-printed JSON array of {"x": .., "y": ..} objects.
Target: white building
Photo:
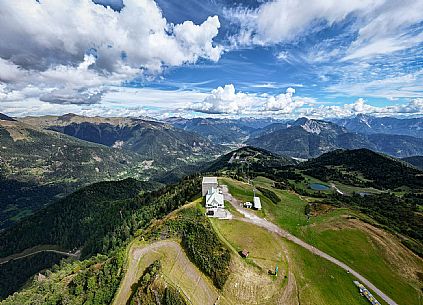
[
  {"x": 248, "y": 205},
  {"x": 257, "y": 203},
  {"x": 214, "y": 199},
  {"x": 208, "y": 184}
]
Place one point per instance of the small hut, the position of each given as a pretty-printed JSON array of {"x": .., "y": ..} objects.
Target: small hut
[{"x": 244, "y": 253}]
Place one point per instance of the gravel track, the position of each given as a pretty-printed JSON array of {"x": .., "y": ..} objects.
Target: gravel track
[{"x": 252, "y": 218}]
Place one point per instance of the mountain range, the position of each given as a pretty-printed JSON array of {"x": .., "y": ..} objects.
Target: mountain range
[
  {"x": 45, "y": 158},
  {"x": 150, "y": 139},
  {"x": 37, "y": 166},
  {"x": 223, "y": 131},
  {"x": 307, "y": 138},
  {"x": 105, "y": 219},
  {"x": 366, "y": 124}
]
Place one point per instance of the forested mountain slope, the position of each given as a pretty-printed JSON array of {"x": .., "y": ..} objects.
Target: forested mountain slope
[
  {"x": 246, "y": 159},
  {"x": 307, "y": 138},
  {"x": 37, "y": 166},
  {"x": 417, "y": 161},
  {"x": 96, "y": 217},
  {"x": 373, "y": 169},
  {"x": 156, "y": 141},
  {"x": 99, "y": 218}
]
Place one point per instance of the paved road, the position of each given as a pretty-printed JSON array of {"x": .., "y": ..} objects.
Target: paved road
[
  {"x": 30, "y": 252},
  {"x": 252, "y": 218}
]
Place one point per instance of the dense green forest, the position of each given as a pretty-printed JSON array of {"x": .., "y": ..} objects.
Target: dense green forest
[
  {"x": 93, "y": 281},
  {"x": 269, "y": 194},
  {"x": 378, "y": 171},
  {"x": 150, "y": 290},
  {"x": 200, "y": 242},
  {"x": 98, "y": 218},
  {"x": 13, "y": 276},
  {"x": 87, "y": 214},
  {"x": 20, "y": 198},
  {"x": 207, "y": 252}
]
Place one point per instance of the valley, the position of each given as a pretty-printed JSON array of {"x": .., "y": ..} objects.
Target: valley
[
  {"x": 217, "y": 152},
  {"x": 324, "y": 222}
]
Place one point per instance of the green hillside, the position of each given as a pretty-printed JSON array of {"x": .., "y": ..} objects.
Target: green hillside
[
  {"x": 372, "y": 169},
  {"x": 98, "y": 218},
  {"x": 247, "y": 159},
  {"x": 153, "y": 140},
  {"x": 417, "y": 161},
  {"x": 130, "y": 220},
  {"x": 344, "y": 233},
  {"x": 37, "y": 167}
]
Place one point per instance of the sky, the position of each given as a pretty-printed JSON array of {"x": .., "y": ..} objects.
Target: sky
[{"x": 212, "y": 58}]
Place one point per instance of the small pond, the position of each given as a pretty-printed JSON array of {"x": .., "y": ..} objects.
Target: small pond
[{"x": 319, "y": 187}]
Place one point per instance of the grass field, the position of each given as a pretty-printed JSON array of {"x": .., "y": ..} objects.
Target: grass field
[
  {"x": 376, "y": 254},
  {"x": 303, "y": 278},
  {"x": 372, "y": 252},
  {"x": 348, "y": 189},
  {"x": 243, "y": 192},
  {"x": 265, "y": 248},
  {"x": 176, "y": 269},
  {"x": 250, "y": 282},
  {"x": 308, "y": 277},
  {"x": 321, "y": 282}
]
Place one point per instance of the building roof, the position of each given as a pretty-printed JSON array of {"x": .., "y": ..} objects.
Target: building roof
[
  {"x": 214, "y": 195},
  {"x": 257, "y": 203},
  {"x": 210, "y": 180}
]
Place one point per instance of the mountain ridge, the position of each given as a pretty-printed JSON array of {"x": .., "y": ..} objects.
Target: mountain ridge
[
  {"x": 307, "y": 138},
  {"x": 44, "y": 164},
  {"x": 144, "y": 137},
  {"x": 368, "y": 124},
  {"x": 6, "y": 118}
]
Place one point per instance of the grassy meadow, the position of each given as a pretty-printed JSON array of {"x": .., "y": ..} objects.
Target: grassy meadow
[{"x": 376, "y": 254}]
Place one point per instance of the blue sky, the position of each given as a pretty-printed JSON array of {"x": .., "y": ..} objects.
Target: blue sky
[{"x": 213, "y": 58}]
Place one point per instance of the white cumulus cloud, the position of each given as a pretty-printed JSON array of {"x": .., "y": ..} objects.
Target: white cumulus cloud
[
  {"x": 379, "y": 26},
  {"x": 71, "y": 49},
  {"x": 412, "y": 107},
  {"x": 225, "y": 100}
]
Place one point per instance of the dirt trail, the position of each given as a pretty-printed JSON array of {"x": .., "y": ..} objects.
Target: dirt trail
[
  {"x": 38, "y": 249},
  {"x": 252, "y": 218},
  {"x": 208, "y": 294}
]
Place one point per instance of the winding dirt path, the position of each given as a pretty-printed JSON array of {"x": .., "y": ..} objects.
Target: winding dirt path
[
  {"x": 38, "y": 249},
  {"x": 190, "y": 280},
  {"x": 252, "y": 218}
]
